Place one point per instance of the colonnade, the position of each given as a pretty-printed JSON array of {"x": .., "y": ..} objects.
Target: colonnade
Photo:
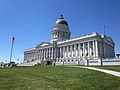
[{"x": 76, "y": 50}]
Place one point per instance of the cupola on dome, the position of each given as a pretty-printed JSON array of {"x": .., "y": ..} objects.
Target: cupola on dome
[{"x": 61, "y": 20}]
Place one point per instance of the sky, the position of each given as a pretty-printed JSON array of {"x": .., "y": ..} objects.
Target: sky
[{"x": 31, "y": 22}]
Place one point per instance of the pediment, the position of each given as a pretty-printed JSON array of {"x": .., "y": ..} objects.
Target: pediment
[{"x": 43, "y": 44}]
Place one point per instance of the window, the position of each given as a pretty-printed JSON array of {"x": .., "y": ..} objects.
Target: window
[
  {"x": 72, "y": 47},
  {"x": 86, "y": 54},
  {"x": 92, "y": 53},
  {"x": 81, "y": 44},
  {"x": 76, "y": 46},
  {"x": 69, "y": 48},
  {"x": 86, "y": 44},
  {"x": 91, "y": 42},
  {"x": 61, "y": 49},
  {"x": 82, "y": 54},
  {"x": 65, "y": 48}
]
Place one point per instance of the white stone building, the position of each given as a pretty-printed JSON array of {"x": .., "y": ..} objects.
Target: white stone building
[{"x": 64, "y": 49}]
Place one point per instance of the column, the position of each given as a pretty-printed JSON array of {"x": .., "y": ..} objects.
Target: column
[
  {"x": 93, "y": 49},
  {"x": 88, "y": 48},
  {"x": 52, "y": 53},
  {"x": 41, "y": 55},
  {"x": 38, "y": 54},
  {"x": 74, "y": 50},
  {"x": 79, "y": 50},
  {"x": 57, "y": 52},
  {"x": 71, "y": 50},
  {"x": 67, "y": 51},
  {"x": 96, "y": 44},
  {"x": 63, "y": 52},
  {"x": 49, "y": 53},
  {"x": 44, "y": 53},
  {"x": 83, "y": 49},
  {"x": 60, "y": 52},
  {"x": 104, "y": 46},
  {"x": 66, "y": 35}
]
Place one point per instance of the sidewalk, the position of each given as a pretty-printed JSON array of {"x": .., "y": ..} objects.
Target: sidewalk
[{"x": 101, "y": 70}]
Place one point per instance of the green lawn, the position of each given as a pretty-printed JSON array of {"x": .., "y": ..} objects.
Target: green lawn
[
  {"x": 56, "y": 78},
  {"x": 114, "y": 68}
]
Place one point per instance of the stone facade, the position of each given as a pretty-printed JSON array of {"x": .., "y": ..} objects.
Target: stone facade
[{"x": 63, "y": 48}]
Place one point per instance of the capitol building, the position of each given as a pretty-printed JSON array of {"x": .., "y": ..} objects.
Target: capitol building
[{"x": 62, "y": 49}]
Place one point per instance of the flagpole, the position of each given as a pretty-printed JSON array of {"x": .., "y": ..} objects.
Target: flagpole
[
  {"x": 11, "y": 49},
  {"x": 11, "y": 52}
]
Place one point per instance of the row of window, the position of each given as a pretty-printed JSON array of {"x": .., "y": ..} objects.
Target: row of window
[
  {"x": 67, "y": 60},
  {"x": 61, "y": 34},
  {"x": 49, "y": 56},
  {"x": 60, "y": 27}
]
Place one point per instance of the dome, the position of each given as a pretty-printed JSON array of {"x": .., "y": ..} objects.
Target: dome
[
  {"x": 61, "y": 30},
  {"x": 61, "y": 20}
]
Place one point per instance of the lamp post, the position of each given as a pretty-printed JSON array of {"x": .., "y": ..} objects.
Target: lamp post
[{"x": 101, "y": 62}]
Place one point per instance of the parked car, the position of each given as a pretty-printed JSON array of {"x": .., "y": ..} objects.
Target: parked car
[{"x": 12, "y": 64}]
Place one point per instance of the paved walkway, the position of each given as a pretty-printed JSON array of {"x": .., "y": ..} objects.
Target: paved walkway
[{"x": 115, "y": 73}]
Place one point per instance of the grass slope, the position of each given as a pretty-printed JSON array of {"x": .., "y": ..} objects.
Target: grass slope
[{"x": 55, "y": 78}]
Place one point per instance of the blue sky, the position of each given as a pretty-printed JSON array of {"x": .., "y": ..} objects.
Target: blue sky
[{"x": 31, "y": 21}]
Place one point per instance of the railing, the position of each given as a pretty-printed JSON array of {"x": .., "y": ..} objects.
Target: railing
[{"x": 104, "y": 61}]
